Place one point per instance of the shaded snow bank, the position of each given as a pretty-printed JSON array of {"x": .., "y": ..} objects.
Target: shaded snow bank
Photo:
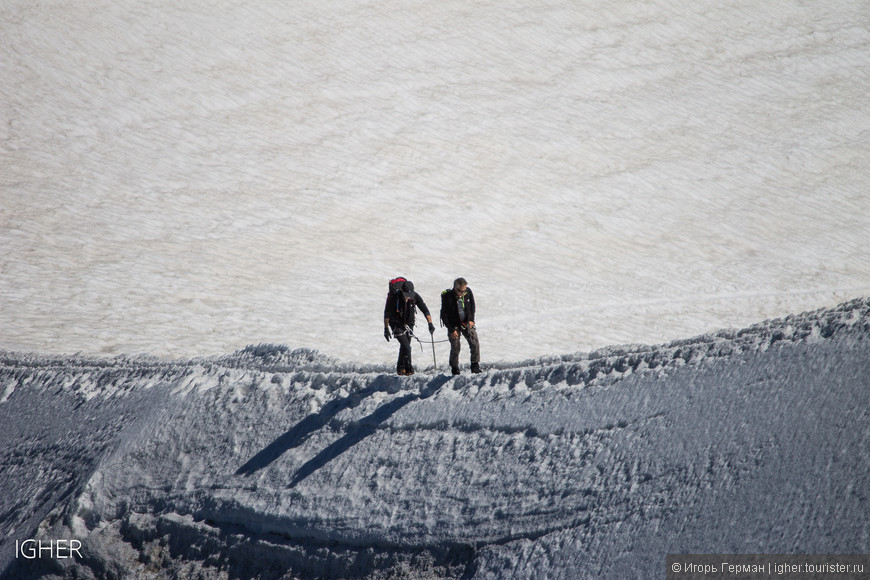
[{"x": 273, "y": 461}]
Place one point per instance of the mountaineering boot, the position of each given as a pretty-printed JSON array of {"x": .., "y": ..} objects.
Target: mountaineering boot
[
  {"x": 455, "y": 370},
  {"x": 475, "y": 367}
]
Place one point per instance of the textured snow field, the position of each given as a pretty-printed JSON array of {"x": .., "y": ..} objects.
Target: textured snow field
[
  {"x": 272, "y": 463},
  {"x": 186, "y": 178}
]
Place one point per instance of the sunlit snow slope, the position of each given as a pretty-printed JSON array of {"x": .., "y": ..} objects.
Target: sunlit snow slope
[
  {"x": 186, "y": 177},
  {"x": 274, "y": 462}
]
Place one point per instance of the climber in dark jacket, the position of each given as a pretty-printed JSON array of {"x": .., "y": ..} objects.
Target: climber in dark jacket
[
  {"x": 399, "y": 312},
  {"x": 457, "y": 314}
]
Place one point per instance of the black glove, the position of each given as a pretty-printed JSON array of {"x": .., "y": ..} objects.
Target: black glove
[
  {"x": 387, "y": 334},
  {"x": 431, "y": 328}
]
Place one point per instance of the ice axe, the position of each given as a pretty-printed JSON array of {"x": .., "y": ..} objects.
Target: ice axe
[
  {"x": 434, "y": 364},
  {"x": 410, "y": 333}
]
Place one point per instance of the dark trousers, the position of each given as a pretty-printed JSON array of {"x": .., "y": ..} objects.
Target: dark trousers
[
  {"x": 470, "y": 335},
  {"x": 404, "y": 340}
]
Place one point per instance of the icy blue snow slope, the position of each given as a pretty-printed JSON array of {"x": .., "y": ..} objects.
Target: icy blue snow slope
[{"x": 274, "y": 462}]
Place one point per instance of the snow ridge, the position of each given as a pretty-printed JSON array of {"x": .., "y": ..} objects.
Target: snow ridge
[{"x": 274, "y": 462}]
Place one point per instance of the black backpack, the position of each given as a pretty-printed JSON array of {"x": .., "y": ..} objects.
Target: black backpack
[{"x": 395, "y": 286}]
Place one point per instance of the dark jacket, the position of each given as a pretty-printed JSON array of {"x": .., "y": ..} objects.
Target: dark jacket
[
  {"x": 401, "y": 313},
  {"x": 450, "y": 309}
]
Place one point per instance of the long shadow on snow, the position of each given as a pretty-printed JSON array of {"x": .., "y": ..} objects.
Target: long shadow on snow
[{"x": 361, "y": 429}]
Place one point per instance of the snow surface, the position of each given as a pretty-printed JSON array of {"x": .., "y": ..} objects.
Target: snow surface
[
  {"x": 274, "y": 462},
  {"x": 180, "y": 179},
  {"x": 186, "y": 177}
]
